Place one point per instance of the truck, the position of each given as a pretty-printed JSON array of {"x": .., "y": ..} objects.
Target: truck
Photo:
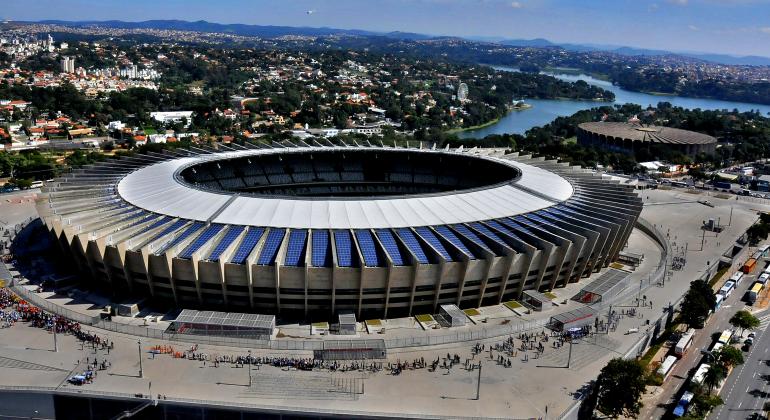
[
  {"x": 749, "y": 266},
  {"x": 737, "y": 277},
  {"x": 753, "y": 293},
  {"x": 684, "y": 402},
  {"x": 727, "y": 289}
]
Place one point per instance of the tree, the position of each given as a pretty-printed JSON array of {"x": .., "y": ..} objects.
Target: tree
[
  {"x": 697, "y": 304},
  {"x": 744, "y": 320},
  {"x": 729, "y": 356},
  {"x": 620, "y": 387},
  {"x": 714, "y": 375}
]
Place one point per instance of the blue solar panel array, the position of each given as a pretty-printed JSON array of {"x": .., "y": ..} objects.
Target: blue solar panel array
[
  {"x": 204, "y": 237},
  {"x": 488, "y": 233},
  {"x": 516, "y": 226},
  {"x": 391, "y": 247},
  {"x": 496, "y": 225},
  {"x": 295, "y": 250},
  {"x": 270, "y": 248},
  {"x": 174, "y": 226},
  {"x": 463, "y": 230},
  {"x": 538, "y": 219},
  {"x": 368, "y": 248},
  {"x": 320, "y": 249},
  {"x": 432, "y": 239},
  {"x": 247, "y": 245},
  {"x": 413, "y": 244},
  {"x": 181, "y": 237},
  {"x": 454, "y": 240},
  {"x": 344, "y": 246},
  {"x": 230, "y": 236}
]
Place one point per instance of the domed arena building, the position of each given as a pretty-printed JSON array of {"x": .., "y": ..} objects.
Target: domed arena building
[
  {"x": 629, "y": 138},
  {"x": 317, "y": 230}
]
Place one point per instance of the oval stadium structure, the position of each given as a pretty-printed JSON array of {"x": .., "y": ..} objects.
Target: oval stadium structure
[
  {"x": 629, "y": 137},
  {"x": 306, "y": 230}
]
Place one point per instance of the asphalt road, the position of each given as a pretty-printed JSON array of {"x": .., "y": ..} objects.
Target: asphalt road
[
  {"x": 748, "y": 386},
  {"x": 672, "y": 388}
]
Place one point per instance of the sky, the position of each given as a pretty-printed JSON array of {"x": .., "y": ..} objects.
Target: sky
[{"x": 736, "y": 27}]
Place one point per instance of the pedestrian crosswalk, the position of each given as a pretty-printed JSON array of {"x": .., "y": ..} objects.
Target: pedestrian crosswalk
[{"x": 764, "y": 322}]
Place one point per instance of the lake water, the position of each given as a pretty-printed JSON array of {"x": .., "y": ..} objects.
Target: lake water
[{"x": 544, "y": 111}]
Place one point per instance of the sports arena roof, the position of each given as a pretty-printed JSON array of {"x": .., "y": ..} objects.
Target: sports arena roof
[
  {"x": 159, "y": 189},
  {"x": 647, "y": 133}
]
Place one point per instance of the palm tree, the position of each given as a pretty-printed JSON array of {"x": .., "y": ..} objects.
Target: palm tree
[{"x": 714, "y": 376}]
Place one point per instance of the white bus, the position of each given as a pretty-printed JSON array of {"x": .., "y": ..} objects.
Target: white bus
[
  {"x": 700, "y": 373},
  {"x": 737, "y": 277},
  {"x": 684, "y": 343},
  {"x": 667, "y": 366},
  {"x": 719, "y": 300},
  {"x": 727, "y": 288},
  {"x": 762, "y": 279}
]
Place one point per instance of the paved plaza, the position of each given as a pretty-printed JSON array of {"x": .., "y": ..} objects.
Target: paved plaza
[{"x": 532, "y": 387}]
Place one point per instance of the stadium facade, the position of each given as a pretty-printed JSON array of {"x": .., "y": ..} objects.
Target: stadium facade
[
  {"x": 318, "y": 230},
  {"x": 630, "y": 137}
]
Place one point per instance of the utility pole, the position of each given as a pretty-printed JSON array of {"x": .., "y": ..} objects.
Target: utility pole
[
  {"x": 569, "y": 357},
  {"x": 478, "y": 383},
  {"x": 731, "y": 217},
  {"x": 702, "y": 239},
  {"x": 55, "y": 343},
  {"x": 141, "y": 372}
]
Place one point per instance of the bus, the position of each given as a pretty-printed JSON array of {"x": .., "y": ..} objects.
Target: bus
[
  {"x": 667, "y": 366},
  {"x": 36, "y": 184},
  {"x": 737, "y": 277},
  {"x": 764, "y": 250},
  {"x": 700, "y": 373},
  {"x": 725, "y": 337},
  {"x": 727, "y": 289},
  {"x": 684, "y": 343},
  {"x": 719, "y": 300},
  {"x": 763, "y": 278},
  {"x": 716, "y": 347},
  {"x": 751, "y": 295}
]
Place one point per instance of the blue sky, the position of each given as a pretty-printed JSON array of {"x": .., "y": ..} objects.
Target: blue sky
[{"x": 738, "y": 27}]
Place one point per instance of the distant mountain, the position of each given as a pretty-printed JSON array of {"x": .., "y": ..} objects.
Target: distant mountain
[{"x": 268, "y": 31}]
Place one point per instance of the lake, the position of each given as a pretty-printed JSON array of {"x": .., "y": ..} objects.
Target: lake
[{"x": 544, "y": 111}]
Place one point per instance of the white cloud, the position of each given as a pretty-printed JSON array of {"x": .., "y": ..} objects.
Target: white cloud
[
  {"x": 679, "y": 2},
  {"x": 653, "y": 7},
  {"x": 692, "y": 27},
  {"x": 516, "y": 5},
  {"x": 765, "y": 29}
]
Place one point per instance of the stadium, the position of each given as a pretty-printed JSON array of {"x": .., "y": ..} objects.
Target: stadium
[
  {"x": 316, "y": 230},
  {"x": 628, "y": 138}
]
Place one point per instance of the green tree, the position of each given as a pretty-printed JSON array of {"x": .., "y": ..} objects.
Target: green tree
[
  {"x": 697, "y": 303},
  {"x": 729, "y": 356},
  {"x": 620, "y": 387},
  {"x": 714, "y": 375},
  {"x": 744, "y": 320}
]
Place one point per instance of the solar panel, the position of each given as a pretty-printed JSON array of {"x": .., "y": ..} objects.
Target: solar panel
[
  {"x": 174, "y": 226},
  {"x": 181, "y": 237},
  {"x": 368, "y": 248},
  {"x": 320, "y": 249},
  {"x": 391, "y": 247},
  {"x": 463, "y": 230},
  {"x": 247, "y": 245},
  {"x": 510, "y": 223},
  {"x": 538, "y": 219},
  {"x": 295, "y": 250},
  {"x": 488, "y": 233},
  {"x": 496, "y": 225},
  {"x": 230, "y": 236},
  {"x": 344, "y": 246},
  {"x": 454, "y": 240},
  {"x": 432, "y": 239},
  {"x": 270, "y": 248},
  {"x": 204, "y": 237},
  {"x": 413, "y": 244}
]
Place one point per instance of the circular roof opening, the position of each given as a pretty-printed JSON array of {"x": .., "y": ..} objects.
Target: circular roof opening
[{"x": 348, "y": 173}]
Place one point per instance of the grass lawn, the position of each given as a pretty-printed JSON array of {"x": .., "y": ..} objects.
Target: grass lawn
[
  {"x": 321, "y": 325},
  {"x": 512, "y": 304},
  {"x": 373, "y": 322},
  {"x": 149, "y": 130},
  {"x": 617, "y": 266},
  {"x": 550, "y": 295},
  {"x": 471, "y": 312},
  {"x": 424, "y": 318}
]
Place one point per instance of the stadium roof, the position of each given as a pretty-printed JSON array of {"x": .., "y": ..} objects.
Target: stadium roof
[
  {"x": 157, "y": 188},
  {"x": 647, "y": 133}
]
